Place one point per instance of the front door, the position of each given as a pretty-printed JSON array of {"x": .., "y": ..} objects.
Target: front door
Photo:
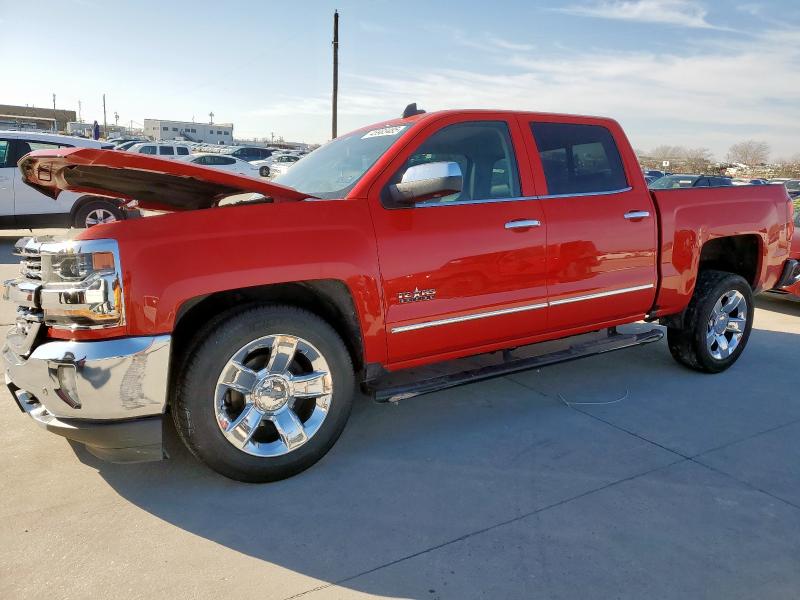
[
  {"x": 601, "y": 223},
  {"x": 466, "y": 271}
]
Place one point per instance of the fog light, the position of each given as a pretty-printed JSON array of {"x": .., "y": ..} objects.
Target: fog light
[{"x": 67, "y": 385}]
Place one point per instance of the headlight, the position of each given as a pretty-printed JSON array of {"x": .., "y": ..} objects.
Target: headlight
[{"x": 81, "y": 284}]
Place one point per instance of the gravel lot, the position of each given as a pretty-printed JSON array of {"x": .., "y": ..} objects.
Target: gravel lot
[{"x": 688, "y": 487}]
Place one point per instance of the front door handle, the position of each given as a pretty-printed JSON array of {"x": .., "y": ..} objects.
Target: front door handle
[
  {"x": 635, "y": 215},
  {"x": 523, "y": 224}
]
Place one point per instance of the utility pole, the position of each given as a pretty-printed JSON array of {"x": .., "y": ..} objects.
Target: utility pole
[
  {"x": 116, "y": 118},
  {"x": 105, "y": 123},
  {"x": 335, "y": 73},
  {"x": 55, "y": 115},
  {"x": 211, "y": 116}
]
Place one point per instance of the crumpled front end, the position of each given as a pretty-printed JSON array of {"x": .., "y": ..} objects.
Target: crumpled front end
[{"x": 109, "y": 394}]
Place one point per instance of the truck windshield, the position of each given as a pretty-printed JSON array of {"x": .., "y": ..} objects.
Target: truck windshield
[{"x": 333, "y": 170}]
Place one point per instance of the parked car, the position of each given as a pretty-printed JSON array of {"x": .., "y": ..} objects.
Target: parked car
[
  {"x": 793, "y": 187},
  {"x": 281, "y": 163},
  {"x": 127, "y": 144},
  {"x": 161, "y": 149},
  {"x": 249, "y": 153},
  {"x": 424, "y": 239},
  {"x": 687, "y": 181},
  {"x": 25, "y": 206},
  {"x": 655, "y": 174},
  {"x": 746, "y": 181},
  {"x": 223, "y": 162}
]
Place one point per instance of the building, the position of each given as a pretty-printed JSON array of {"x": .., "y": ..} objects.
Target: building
[
  {"x": 28, "y": 117},
  {"x": 208, "y": 133}
]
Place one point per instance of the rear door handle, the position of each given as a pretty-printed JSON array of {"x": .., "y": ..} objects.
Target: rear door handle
[
  {"x": 637, "y": 214},
  {"x": 523, "y": 224}
]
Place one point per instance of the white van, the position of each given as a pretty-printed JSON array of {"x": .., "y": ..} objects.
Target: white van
[
  {"x": 161, "y": 149},
  {"x": 23, "y": 206}
]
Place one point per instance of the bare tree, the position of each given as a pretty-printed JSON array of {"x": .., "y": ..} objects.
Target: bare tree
[
  {"x": 749, "y": 152},
  {"x": 697, "y": 160}
]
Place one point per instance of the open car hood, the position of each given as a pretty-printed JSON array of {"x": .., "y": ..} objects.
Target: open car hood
[{"x": 155, "y": 183}]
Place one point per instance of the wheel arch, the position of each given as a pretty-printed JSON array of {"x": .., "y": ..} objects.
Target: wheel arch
[
  {"x": 329, "y": 299},
  {"x": 738, "y": 254}
]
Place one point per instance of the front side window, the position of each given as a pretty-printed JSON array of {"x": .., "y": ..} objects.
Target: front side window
[
  {"x": 183, "y": 151},
  {"x": 579, "y": 159},
  {"x": 168, "y": 150},
  {"x": 148, "y": 150},
  {"x": 483, "y": 152},
  {"x": 225, "y": 160}
]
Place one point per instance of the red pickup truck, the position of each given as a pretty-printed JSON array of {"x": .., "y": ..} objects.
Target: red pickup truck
[{"x": 254, "y": 311}]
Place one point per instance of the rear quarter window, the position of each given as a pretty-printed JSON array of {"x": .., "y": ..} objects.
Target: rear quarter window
[{"x": 579, "y": 159}]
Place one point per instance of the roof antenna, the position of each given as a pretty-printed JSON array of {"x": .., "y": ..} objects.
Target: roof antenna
[{"x": 412, "y": 110}]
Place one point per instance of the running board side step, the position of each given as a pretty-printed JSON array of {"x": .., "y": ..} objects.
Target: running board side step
[{"x": 614, "y": 341}]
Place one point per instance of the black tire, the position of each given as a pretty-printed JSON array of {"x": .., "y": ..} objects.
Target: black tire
[
  {"x": 688, "y": 343},
  {"x": 93, "y": 206},
  {"x": 193, "y": 406},
  {"x": 263, "y": 171}
]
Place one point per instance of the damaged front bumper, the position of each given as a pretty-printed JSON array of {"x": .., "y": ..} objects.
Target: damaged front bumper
[{"x": 109, "y": 395}]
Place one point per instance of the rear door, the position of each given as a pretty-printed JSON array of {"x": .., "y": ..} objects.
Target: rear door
[
  {"x": 601, "y": 222},
  {"x": 462, "y": 272}
]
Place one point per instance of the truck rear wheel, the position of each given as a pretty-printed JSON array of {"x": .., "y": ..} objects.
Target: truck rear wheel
[
  {"x": 265, "y": 393},
  {"x": 716, "y": 325}
]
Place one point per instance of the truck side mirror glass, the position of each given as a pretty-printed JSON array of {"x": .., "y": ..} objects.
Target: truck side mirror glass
[{"x": 427, "y": 181}]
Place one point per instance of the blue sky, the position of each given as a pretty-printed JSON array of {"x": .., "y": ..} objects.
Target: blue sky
[{"x": 689, "y": 72}]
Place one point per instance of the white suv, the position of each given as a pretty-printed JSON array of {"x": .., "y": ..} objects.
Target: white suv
[
  {"x": 23, "y": 206},
  {"x": 161, "y": 149}
]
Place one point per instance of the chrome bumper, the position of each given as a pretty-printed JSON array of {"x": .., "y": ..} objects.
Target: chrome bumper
[
  {"x": 790, "y": 275},
  {"x": 73, "y": 388}
]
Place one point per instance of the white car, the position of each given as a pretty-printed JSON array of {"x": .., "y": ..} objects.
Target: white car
[
  {"x": 277, "y": 164},
  {"x": 224, "y": 162},
  {"x": 161, "y": 149},
  {"x": 23, "y": 206}
]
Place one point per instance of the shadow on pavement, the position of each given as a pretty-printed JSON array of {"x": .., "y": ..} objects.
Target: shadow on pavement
[
  {"x": 786, "y": 305},
  {"x": 406, "y": 478}
]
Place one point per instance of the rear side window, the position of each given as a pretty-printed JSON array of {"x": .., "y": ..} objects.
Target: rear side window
[
  {"x": 168, "y": 150},
  {"x": 579, "y": 159},
  {"x": 5, "y": 154},
  {"x": 183, "y": 150},
  {"x": 225, "y": 160},
  {"x": 148, "y": 150}
]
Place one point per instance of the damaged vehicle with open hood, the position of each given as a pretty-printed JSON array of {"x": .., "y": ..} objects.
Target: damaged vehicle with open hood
[{"x": 254, "y": 311}]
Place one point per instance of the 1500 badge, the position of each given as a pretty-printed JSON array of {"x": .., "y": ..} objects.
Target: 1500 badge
[{"x": 417, "y": 295}]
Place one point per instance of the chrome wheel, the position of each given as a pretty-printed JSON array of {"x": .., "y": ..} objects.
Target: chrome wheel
[
  {"x": 273, "y": 395},
  {"x": 727, "y": 325},
  {"x": 98, "y": 216}
]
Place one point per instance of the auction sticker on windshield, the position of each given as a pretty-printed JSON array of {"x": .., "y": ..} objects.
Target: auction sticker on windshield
[{"x": 384, "y": 131}]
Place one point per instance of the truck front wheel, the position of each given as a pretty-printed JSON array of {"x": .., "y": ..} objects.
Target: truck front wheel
[
  {"x": 716, "y": 325},
  {"x": 265, "y": 393}
]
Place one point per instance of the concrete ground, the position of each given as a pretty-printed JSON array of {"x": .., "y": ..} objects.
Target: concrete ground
[{"x": 537, "y": 485}]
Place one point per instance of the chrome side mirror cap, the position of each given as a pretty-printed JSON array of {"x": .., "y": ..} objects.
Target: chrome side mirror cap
[{"x": 427, "y": 181}]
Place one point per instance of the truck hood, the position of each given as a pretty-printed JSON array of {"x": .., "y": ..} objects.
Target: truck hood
[{"x": 155, "y": 183}]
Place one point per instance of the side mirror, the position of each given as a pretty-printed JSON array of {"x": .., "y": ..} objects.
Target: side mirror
[{"x": 427, "y": 181}]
